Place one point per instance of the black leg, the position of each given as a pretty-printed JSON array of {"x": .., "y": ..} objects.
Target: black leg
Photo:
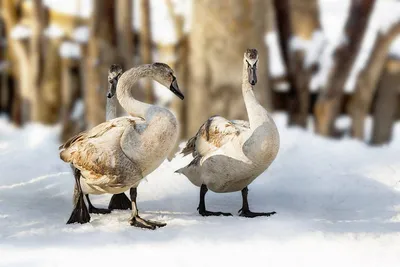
[
  {"x": 136, "y": 220},
  {"x": 245, "y": 211},
  {"x": 93, "y": 209},
  {"x": 202, "y": 205},
  {"x": 80, "y": 214},
  {"x": 120, "y": 202}
]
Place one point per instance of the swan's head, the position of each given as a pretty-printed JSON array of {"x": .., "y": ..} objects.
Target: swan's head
[
  {"x": 165, "y": 76},
  {"x": 114, "y": 73},
  {"x": 251, "y": 59}
]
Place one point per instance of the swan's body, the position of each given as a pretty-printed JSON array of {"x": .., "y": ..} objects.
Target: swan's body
[
  {"x": 230, "y": 154},
  {"x": 116, "y": 155}
]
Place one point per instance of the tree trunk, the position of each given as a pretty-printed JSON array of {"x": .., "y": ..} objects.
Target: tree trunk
[
  {"x": 259, "y": 15},
  {"x": 145, "y": 45},
  {"x": 71, "y": 93},
  {"x": 327, "y": 106},
  {"x": 50, "y": 88},
  {"x": 181, "y": 68},
  {"x": 305, "y": 17},
  {"x": 216, "y": 59},
  {"x": 386, "y": 102},
  {"x": 288, "y": 15},
  {"x": 20, "y": 70},
  {"x": 4, "y": 89},
  {"x": 125, "y": 39},
  {"x": 368, "y": 79},
  {"x": 36, "y": 60},
  {"x": 100, "y": 55}
]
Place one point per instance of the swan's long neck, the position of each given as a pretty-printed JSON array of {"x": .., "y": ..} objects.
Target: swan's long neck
[
  {"x": 256, "y": 112},
  {"x": 111, "y": 108},
  {"x": 132, "y": 106}
]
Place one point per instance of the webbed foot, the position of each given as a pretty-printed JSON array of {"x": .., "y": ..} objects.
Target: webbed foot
[
  {"x": 146, "y": 224},
  {"x": 120, "y": 202},
  {"x": 250, "y": 214},
  {"x": 204, "y": 212},
  {"x": 80, "y": 214}
]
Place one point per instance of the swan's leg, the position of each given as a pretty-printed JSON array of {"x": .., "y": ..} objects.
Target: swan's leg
[
  {"x": 245, "y": 211},
  {"x": 80, "y": 214},
  {"x": 93, "y": 209},
  {"x": 202, "y": 205},
  {"x": 120, "y": 202},
  {"x": 136, "y": 220}
]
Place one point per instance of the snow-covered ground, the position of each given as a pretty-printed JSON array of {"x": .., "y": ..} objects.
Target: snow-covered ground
[{"x": 337, "y": 204}]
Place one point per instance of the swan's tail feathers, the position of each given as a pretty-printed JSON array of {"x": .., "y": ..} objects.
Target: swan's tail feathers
[
  {"x": 190, "y": 147},
  {"x": 192, "y": 165},
  {"x": 180, "y": 171},
  {"x": 67, "y": 149}
]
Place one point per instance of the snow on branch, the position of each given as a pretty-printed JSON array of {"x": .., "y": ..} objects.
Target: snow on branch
[
  {"x": 70, "y": 50},
  {"x": 54, "y": 31},
  {"x": 20, "y": 31}
]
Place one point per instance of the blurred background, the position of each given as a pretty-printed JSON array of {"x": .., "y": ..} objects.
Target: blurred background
[{"x": 327, "y": 64}]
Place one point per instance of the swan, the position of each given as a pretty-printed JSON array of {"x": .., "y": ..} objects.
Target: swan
[
  {"x": 230, "y": 154},
  {"x": 118, "y": 201},
  {"x": 116, "y": 155}
]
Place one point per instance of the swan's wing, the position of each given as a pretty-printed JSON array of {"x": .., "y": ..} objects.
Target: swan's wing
[
  {"x": 218, "y": 136},
  {"x": 96, "y": 152},
  {"x": 241, "y": 124},
  {"x": 215, "y": 133}
]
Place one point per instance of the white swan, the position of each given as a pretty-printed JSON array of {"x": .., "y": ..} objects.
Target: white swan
[
  {"x": 115, "y": 155},
  {"x": 118, "y": 201},
  {"x": 230, "y": 154}
]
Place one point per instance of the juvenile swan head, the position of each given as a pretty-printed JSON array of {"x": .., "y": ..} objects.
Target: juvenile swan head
[
  {"x": 165, "y": 76},
  {"x": 114, "y": 73},
  {"x": 251, "y": 58}
]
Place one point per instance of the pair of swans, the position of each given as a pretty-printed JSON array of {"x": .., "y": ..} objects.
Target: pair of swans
[{"x": 116, "y": 155}]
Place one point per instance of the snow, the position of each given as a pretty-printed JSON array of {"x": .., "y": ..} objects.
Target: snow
[
  {"x": 383, "y": 16},
  {"x": 312, "y": 48},
  {"x": 81, "y": 34},
  {"x": 81, "y": 8},
  {"x": 70, "y": 50},
  {"x": 276, "y": 64},
  {"x": 337, "y": 203},
  {"x": 20, "y": 32},
  {"x": 78, "y": 110},
  {"x": 54, "y": 31}
]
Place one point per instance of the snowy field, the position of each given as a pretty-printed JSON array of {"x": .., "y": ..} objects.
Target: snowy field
[{"x": 337, "y": 204}]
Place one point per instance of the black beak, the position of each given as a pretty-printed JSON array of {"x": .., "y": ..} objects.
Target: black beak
[
  {"x": 112, "y": 88},
  {"x": 252, "y": 74},
  {"x": 175, "y": 89}
]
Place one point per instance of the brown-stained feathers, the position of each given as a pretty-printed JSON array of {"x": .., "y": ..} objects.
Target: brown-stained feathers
[{"x": 190, "y": 147}]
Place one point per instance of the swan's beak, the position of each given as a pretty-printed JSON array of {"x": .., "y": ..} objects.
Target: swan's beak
[
  {"x": 112, "y": 88},
  {"x": 252, "y": 74},
  {"x": 175, "y": 89}
]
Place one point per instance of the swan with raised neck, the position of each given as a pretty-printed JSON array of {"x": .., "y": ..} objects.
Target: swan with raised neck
[
  {"x": 230, "y": 154},
  {"x": 116, "y": 155}
]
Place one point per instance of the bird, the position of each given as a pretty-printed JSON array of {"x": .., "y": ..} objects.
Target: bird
[
  {"x": 116, "y": 155},
  {"x": 118, "y": 201},
  {"x": 229, "y": 154}
]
